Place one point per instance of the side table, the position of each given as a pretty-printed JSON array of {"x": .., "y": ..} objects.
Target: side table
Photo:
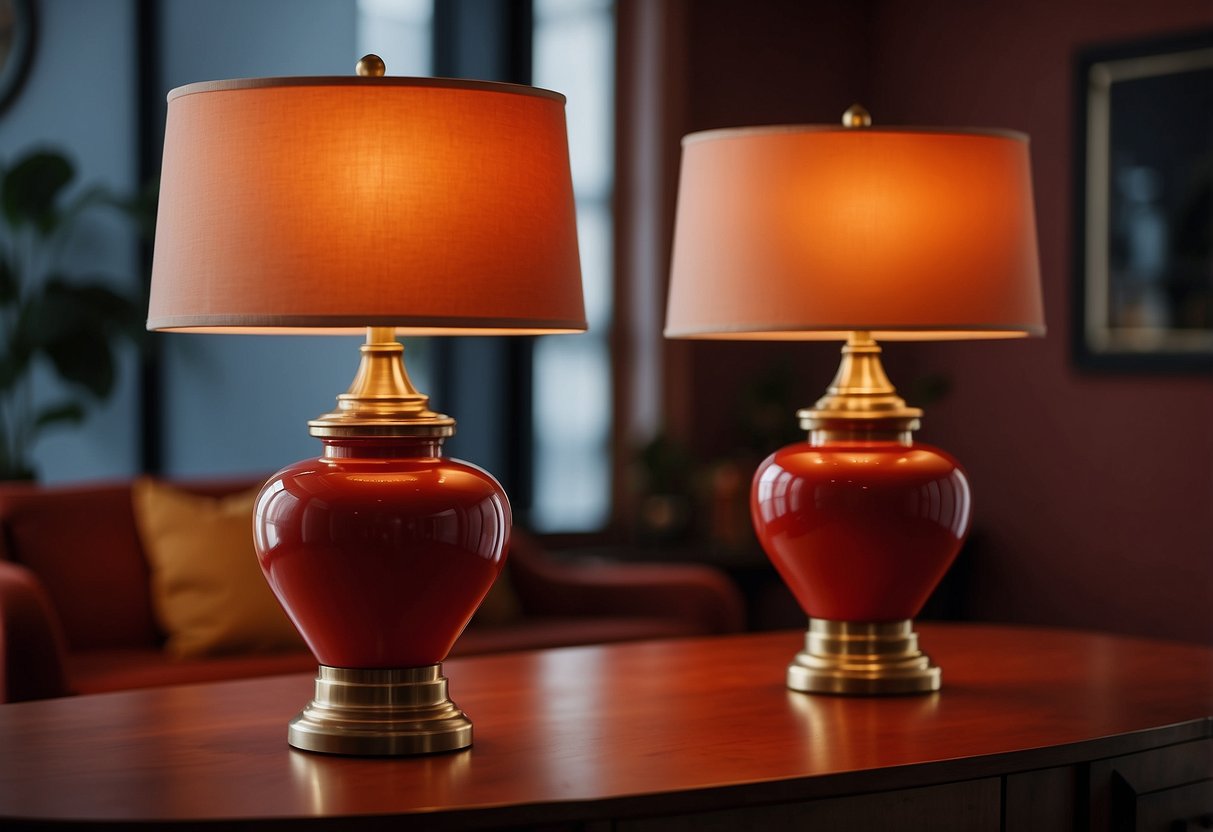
[{"x": 1035, "y": 729}]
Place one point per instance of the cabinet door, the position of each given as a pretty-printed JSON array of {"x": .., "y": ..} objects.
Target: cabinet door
[
  {"x": 1164, "y": 789},
  {"x": 1041, "y": 800},
  {"x": 970, "y": 806},
  {"x": 1187, "y": 807}
]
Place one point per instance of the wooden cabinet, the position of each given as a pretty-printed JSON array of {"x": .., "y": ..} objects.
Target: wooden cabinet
[
  {"x": 1163, "y": 789},
  {"x": 1044, "y": 800},
  {"x": 970, "y": 806}
]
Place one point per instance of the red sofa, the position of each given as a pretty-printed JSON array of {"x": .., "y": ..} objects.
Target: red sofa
[{"x": 76, "y": 613}]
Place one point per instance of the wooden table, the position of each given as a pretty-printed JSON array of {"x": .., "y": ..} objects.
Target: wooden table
[{"x": 1035, "y": 729}]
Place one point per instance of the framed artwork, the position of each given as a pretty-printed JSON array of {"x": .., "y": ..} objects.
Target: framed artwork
[{"x": 1143, "y": 271}]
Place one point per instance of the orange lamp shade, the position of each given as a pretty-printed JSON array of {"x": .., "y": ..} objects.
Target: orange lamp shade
[
  {"x": 813, "y": 232},
  {"x": 321, "y": 204}
]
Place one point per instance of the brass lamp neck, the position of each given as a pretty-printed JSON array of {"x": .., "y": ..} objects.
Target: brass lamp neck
[
  {"x": 860, "y": 402},
  {"x": 382, "y": 401}
]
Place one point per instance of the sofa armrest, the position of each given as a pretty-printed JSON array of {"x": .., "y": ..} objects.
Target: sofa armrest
[
  {"x": 695, "y": 594},
  {"x": 32, "y": 648}
]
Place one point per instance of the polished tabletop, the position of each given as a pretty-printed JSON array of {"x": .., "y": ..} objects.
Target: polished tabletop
[{"x": 559, "y": 734}]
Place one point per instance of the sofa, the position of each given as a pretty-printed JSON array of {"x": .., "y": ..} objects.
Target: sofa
[{"x": 76, "y": 613}]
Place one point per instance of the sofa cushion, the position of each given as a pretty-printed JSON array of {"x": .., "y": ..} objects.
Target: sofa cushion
[
  {"x": 208, "y": 592},
  {"x": 81, "y": 543}
]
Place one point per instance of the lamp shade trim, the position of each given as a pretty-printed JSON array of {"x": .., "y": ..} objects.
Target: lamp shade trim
[
  {"x": 881, "y": 332},
  {"x": 359, "y": 81},
  {"x": 744, "y": 132},
  {"x": 356, "y": 325}
]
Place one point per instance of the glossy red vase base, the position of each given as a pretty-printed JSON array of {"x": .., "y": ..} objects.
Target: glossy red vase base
[
  {"x": 381, "y": 550},
  {"x": 861, "y": 531}
]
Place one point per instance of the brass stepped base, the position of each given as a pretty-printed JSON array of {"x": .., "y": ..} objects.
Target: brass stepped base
[
  {"x": 390, "y": 712},
  {"x": 862, "y": 659}
]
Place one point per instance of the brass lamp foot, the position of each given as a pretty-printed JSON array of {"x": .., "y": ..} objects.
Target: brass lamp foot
[
  {"x": 862, "y": 659},
  {"x": 392, "y": 712}
]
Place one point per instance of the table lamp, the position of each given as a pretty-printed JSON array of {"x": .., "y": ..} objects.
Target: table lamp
[
  {"x": 857, "y": 234},
  {"x": 390, "y": 206}
]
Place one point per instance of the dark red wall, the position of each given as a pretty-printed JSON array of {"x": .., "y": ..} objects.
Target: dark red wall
[{"x": 1093, "y": 493}]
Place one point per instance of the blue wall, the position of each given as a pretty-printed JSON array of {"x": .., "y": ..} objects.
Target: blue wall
[
  {"x": 230, "y": 404},
  {"x": 239, "y": 404},
  {"x": 80, "y": 97}
]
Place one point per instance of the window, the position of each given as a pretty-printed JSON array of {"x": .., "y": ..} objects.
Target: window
[
  {"x": 573, "y": 52},
  {"x": 400, "y": 32}
]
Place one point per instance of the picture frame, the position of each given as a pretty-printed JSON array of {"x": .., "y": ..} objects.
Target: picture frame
[{"x": 1143, "y": 164}]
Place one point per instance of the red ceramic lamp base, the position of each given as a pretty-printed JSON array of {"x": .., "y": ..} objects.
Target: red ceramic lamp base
[
  {"x": 861, "y": 530},
  {"x": 380, "y": 551},
  {"x": 862, "y": 523}
]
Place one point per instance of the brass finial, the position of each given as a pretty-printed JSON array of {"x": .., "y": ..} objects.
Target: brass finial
[
  {"x": 856, "y": 116},
  {"x": 371, "y": 66}
]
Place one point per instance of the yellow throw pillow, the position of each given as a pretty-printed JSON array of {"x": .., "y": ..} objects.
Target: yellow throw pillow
[{"x": 208, "y": 592}]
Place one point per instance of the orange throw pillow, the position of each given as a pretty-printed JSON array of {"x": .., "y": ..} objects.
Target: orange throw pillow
[{"x": 208, "y": 593}]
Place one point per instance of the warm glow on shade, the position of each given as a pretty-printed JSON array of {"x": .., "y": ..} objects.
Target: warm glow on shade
[
  {"x": 308, "y": 204},
  {"x": 813, "y": 232}
]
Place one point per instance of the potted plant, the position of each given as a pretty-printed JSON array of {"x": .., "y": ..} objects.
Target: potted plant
[{"x": 72, "y": 323}]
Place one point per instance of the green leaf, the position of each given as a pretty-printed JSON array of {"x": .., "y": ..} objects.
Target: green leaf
[
  {"x": 65, "y": 307},
  {"x": 12, "y": 367},
  {"x": 142, "y": 208},
  {"x": 94, "y": 195},
  {"x": 72, "y": 412},
  {"x": 19, "y": 345},
  {"x": 17, "y": 471},
  {"x": 95, "y": 301},
  {"x": 31, "y": 188},
  {"x": 84, "y": 357},
  {"x": 75, "y": 327},
  {"x": 8, "y": 282},
  {"x": 46, "y": 317}
]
